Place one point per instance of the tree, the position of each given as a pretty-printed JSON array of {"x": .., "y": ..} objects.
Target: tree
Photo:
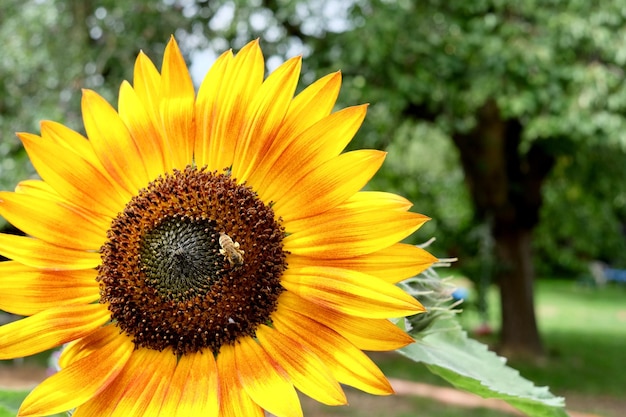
[
  {"x": 53, "y": 49},
  {"x": 514, "y": 84}
]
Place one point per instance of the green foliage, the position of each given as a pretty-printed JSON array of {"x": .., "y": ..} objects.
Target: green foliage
[
  {"x": 584, "y": 214},
  {"x": 423, "y": 165},
  {"x": 53, "y": 49},
  {"x": 557, "y": 67}
]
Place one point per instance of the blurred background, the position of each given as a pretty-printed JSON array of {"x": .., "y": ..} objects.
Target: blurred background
[{"x": 504, "y": 121}]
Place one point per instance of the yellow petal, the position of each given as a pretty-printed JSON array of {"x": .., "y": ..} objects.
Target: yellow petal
[
  {"x": 238, "y": 86},
  {"x": 392, "y": 264},
  {"x": 194, "y": 387},
  {"x": 347, "y": 363},
  {"x": 359, "y": 205},
  {"x": 81, "y": 348},
  {"x": 307, "y": 372},
  {"x": 42, "y": 191},
  {"x": 310, "y": 106},
  {"x": 72, "y": 176},
  {"x": 52, "y": 221},
  {"x": 113, "y": 143},
  {"x": 208, "y": 108},
  {"x": 147, "y": 85},
  {"x": 366, "y": 334},
  {"x": 350, "y": 292},
  {"x": 326, "y": 186},
  {"x": 39, "y": 254},
  {"x": 152, "y": 373},
  {"x": 177, "y": 107},
  {"x": 379, "y": 199},
  {"x": 76, "y": 144},
  {"x": 313, "y": 147},
  {"x": 147, "y": 136},
  {"x": 37, "y": 188},
  {"x": 264, "y": 381},
  {"x": 266, "y": 112},
  {"x": 105, "y": 402},
  {"x": 234, "y": 401},
  {"x": 26, "y": 291},
  {"x": 344, "y": 233},
  {"x": 50, "y": 328},
  {"x": 81, "y": 380}
]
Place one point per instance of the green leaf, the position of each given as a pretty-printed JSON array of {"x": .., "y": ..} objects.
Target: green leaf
[{"x": 467, "y": 364}]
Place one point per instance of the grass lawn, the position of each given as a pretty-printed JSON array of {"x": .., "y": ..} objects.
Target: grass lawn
[{"x": 584, "y": 331}]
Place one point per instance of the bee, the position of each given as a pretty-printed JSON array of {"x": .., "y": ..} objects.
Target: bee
[{"x": 230, "y": 250}]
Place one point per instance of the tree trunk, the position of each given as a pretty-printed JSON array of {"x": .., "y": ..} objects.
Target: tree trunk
[
  {"x": 505, "y": 186},
  {"x": 519, "y": 336}
]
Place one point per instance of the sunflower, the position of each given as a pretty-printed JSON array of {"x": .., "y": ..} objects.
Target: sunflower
[{"x": 205, "y": 254}]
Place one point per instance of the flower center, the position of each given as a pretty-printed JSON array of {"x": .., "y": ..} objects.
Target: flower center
[{"x": 193, "y": 262}]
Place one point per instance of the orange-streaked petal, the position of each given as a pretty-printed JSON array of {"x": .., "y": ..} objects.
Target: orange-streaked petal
[
  {"x": 393, "y": 264},
  {"x": 128, "y": 383},
  {"x": 312, "y": 148},
  {"x": 264, "y": 381},
  {"x": 71, "y": 176},
  {"x": 194, "y": 388},
  {"x": 347, "y": 363},
  {"x": 307, "y": 372},
  {"x": 39, "y": 254},
  {"x": 76, "y": 144},
  {"x": 267, "y": 111},
  {"x": 81, "y": 348},
  {"x": 326, "y": 186},
  {"x": 310, "y": 106},
  {"x": 113, "y": 143},
  {"x": 42, "y": 191},
  {"x": 340, "y": 233},
  {"x": 350, "y": 292},
  {"x": 238, "y": 86},
  {"x": 366, "y": 334},
  {"x": 177, "y": 107},
  {"x": 103, "y": 404},
  {"x": 234, "y": 401},
  {"x": 208, "y": 109},
  {"x": 152, "y": 375},
  {"x": 362, "y": 206},
  {"x": 147, "y": 136},
  {"x": 26, "y": 291},
  {"x": 52, "y": 221},
  {"x": 82, "y": 379},
  {"x": 50, "y": 328}
]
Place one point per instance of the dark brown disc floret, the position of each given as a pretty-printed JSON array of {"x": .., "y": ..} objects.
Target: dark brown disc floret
[{"x": 168, "y": 278}]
